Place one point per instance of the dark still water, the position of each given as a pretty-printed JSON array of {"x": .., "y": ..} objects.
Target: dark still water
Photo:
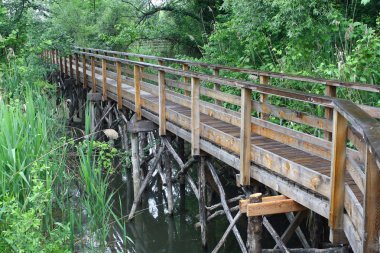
[{"x": 153, "y": 230}]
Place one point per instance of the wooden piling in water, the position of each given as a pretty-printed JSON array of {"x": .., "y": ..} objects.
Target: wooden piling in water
[
  {"x": 135, "y": 163},
  {"x": 202, "y": 201},
  {"x": 255, "y": 227}
]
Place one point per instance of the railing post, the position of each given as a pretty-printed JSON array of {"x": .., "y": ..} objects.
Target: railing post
[
  {"x": 71, "y": 65},
  {"x": 85, "y": 84},
  {"x": 137, "y": 81},
  {"x": 66, "y": 68},
  {"x": 185, "y": 67},
  {"x": 371, "y": 203},
  {"x": 338, "y": 164},
  {"x": 263, "y": 97},
  {"x": 162, "y": 102},
  {"x": 118, "y": 88},
  {"x": 141, "y": 68},
  {"x": 93, "y": 74},
  {"x": 77, "y": 77},
  {"x": 104, "y": 79},
  {"x": 245, "y": 136},
  {"x": 195, "y": 117},
  {"x": 56, "y": 56},
  {"x": 330, "y": 91},
  {"x": 215, "y": 72},
  {"x": 60, "y": 64}
]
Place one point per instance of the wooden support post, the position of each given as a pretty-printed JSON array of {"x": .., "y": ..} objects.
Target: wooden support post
[
  {"x": 169, "y": 183},
  {"x": 217, "y": 86},
  {"x": 145, "y": 182},
  {"x": 255, "y": 227},
  {"x": 77, "y": 77},
  {"x": 371, "y": 206},
  {"x": 185, "y": 67},
  {"x": 330, "y": 91},
  {"x": 56, "y": 57},
  {"x": 161, "y": 103},
  {"x": 85, "y": 83},
  {"x": 338, "y": 160},
  {"x": 245, "y": 136},
  {"x": 92, "y": 116},
  {"x": 135, "y": 164},
  {"x": 202, "y": 201},
  {"x": 93, "y": 74},
  {"x": 61, "y": 65},
  {"x": 71, "y": 66},
  {"x": 118, "y": 84},
  {"x": 137, "y": 82},
  {"x": 263, "y": 97},
  {"x": 104, "y": 79},
  {"x": 66, "y": 68},
  {"x": 195, "y": 117}
]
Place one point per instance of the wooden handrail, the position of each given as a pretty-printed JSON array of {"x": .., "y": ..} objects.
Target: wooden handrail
[
  {"x": 364, "y": 124},
  {"x": 266, "y": 89},
  {"x": 336, "y": 83},
  {"x": 348, "y": 113}
]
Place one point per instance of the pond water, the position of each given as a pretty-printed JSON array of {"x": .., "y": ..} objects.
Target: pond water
[{"x": 153, "y": 230}]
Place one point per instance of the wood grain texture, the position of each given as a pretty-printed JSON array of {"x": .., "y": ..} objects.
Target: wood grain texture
[
  {"x": 338, "y": 164},
  {"x": 162, "y": 103},
  {"x": 245, "y": 137},
  {"x": 195, "y": 117},
  {"x": 137, "y": 83}
]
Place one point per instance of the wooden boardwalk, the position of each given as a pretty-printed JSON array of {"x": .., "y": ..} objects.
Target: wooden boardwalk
[{"x": 339, "y": 182}]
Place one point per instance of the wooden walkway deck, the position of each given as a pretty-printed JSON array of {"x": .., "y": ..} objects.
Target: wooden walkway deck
[{"x": 338, "y": 182}]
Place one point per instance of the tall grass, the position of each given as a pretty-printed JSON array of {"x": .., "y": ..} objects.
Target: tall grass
[{"x": 39, "y": 208}]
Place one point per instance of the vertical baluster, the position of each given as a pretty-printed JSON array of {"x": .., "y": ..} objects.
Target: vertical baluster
[
  {"x": 118, "y": 83},
  {"x": 93, "y": 74},
  {"x": 141, "y": 68},
  {"x": 195, "y": 116},
  {"x": 60, "y": 64},
  {"x": 371, "y": 205},
  {"x": 185, "y": 67},
  {"x": 330, "y": 91},
  {"x": 71, "y": 65},
  {"x": 263, "y": 98},
  {"x": 66, "y": 68},
  {"x": 77, "y": 77},
  {"x": 85, "y": 84},
  {"x": 215, "y": 72},
  {"x": 162, "y": 102},
  {"x": 104, "y": 79},
  {"x": 338, "y": 160},
  {"x": 137, "y": 81},
  {"x": 245, "y": 136}
]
